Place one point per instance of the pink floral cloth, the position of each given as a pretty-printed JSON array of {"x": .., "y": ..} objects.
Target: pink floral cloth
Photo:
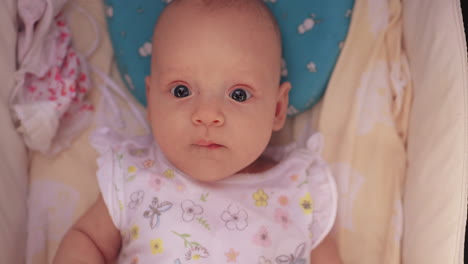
[
  {"x": 164, "y": 216},
  {"x": 52, "y": 80}
]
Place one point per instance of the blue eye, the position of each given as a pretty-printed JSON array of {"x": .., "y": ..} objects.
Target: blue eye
[
  {"x": 240, "y": 95},
  {"x": 181, "y": 91}
]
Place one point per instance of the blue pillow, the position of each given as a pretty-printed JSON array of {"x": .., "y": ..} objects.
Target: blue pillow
[{"x": 313, "y": 33}]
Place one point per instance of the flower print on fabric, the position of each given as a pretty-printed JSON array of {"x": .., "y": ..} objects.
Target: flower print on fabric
[
  {"x": 145, "y": 50},
  {"x": 231, "y": 256},
  {"x": 282, "y": 217},
  {"x": 283, "y": 200},
  {"x": 131, "y": 169},
  {"x": 135, "y": 232},
  {"x": 261, "y": 198},
  {"x": 148, "y": 163},
  {"x": 294, "y": 178},
  {"x": 178, "y": 185},
  {"x": 169, "y": 174},
  {"x": 135, "y": 260},
  {"x": 262, "y": 237},
  {"x": 156, "y": 182},
  {"x": 235, "y": 218},
  {"x": 136, "y": 151},
  {"x": 157, "y": 246},
  {"x": 155, "y": 211},
  {"x": 263, "y": 260},
  {"x": 136, "y": 198},
  {"x": 130, "y": 176},
  {"x": 195, "y": 250},
  {"x": 297, "y": 258},
  {"x": 306, "y": 203},
  {"x": 196, "y": 253},
  {"x": 204, "y": 197},
  {"x": 307, "y": 24},
  {"x": 190, "y": 210}
]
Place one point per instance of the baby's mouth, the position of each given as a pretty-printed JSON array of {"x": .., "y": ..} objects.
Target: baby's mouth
[
  {"x": 212, "y": 146},
  {"x": 207, "y": 144}
]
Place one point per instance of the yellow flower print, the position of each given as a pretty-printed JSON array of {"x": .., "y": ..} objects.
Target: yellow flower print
[
  {"x": 135, "y": 232},
  {"x": 261, "y": 198},
  {"x": 306, "y": 203},
  {"x": 169, "y": 174},
  {"x": 180, "y": 188},
  {"x": 156, "y": 246},
  {"x": 121, "y": 206},
  {"x": 131, "y": 169}
]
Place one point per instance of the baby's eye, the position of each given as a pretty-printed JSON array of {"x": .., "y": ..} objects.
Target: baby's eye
[
  {"x": 181, "y": 91},
  {"x": 240, "y": 95}
]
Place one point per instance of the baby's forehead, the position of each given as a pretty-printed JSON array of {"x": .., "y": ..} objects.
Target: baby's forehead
[
  {"x": 189, "y": 26},
  {"x": 255, "y": 8}
]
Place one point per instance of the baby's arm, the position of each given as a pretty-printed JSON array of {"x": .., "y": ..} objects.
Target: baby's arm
[
  {"x": 92, "y": 239},
  {"x": 326, "y": 252}
]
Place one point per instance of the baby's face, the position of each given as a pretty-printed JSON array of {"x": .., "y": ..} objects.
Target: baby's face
[{"x": 213, "y": 95}]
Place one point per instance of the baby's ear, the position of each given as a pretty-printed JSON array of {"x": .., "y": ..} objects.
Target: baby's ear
[{"x": 282, "y": 102}]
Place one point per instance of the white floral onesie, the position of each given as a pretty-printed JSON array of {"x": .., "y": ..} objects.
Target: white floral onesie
[{"x": 165, "y": 217}]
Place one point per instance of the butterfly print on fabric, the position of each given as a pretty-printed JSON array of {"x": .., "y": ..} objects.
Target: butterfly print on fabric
[{"x": 155, "y": 211}]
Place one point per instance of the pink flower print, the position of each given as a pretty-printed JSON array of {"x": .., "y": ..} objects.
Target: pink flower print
[
  {"x": 60, "y": 23},
  {"x": 148, "y": 163},
  {"x": 262, "y": 237},
  {"x": 71, "y": 72},
  {"x": 82, "y": 89},
  {"x": 190, "y": 210},
  {"x": 32, "y": 88},
  {"x": 82, "y": 77},
  {"x": 283, "y": 200},
  {"x": 282, "y": 217},
  {"x": 63, "y": 37},
  {"x": 156, "y": 182},
  {"x": 235, "y": 218},
  {"x": 135, "y": 260},
  {"x": 231, "y": 255}
]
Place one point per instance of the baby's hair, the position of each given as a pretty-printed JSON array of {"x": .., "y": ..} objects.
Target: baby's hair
[{"x": 258, "y": 7}]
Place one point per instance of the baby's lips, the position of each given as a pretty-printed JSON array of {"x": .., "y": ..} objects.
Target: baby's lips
[{"x": 207, "y": 144}]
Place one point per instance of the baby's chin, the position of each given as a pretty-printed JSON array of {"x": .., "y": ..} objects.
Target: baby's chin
[{"x": 211, "y": 174}]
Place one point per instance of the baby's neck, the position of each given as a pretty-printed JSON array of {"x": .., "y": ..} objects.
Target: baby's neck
[{"x": 262, "y": 164}]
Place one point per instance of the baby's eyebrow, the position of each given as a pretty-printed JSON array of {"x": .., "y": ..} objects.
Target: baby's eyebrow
[{"x": 174, "y": 71}]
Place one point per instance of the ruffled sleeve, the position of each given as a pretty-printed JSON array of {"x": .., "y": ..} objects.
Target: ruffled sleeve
[
  {"x": 323, "y": 192},
  {"x": 109, "y": 173}
]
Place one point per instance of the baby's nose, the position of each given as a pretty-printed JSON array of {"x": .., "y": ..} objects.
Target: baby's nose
[{"x": 208, "y": 115}]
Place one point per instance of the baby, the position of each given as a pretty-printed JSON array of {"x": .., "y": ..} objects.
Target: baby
[{"x": 201, "y": 191}]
